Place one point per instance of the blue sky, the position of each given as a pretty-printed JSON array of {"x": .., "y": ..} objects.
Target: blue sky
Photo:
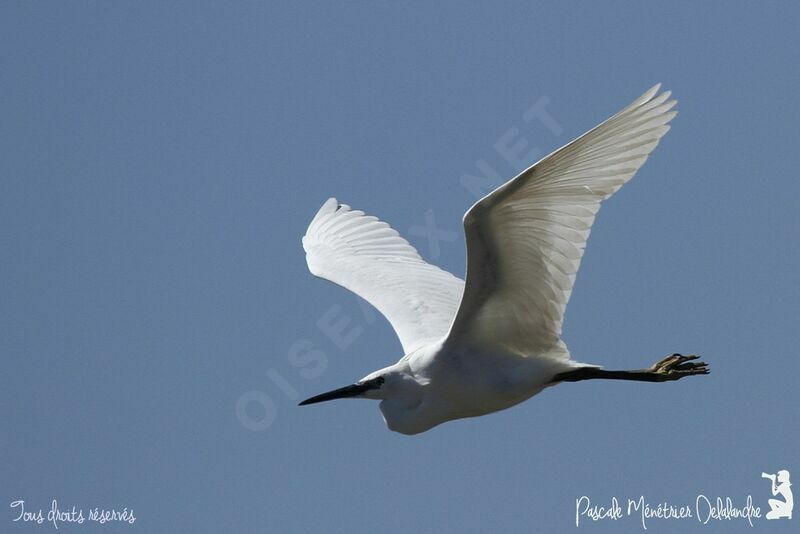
[{"x": 160, "y": 163}]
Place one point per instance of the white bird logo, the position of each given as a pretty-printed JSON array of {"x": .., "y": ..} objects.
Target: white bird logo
[{"x": 476, "y": 347}]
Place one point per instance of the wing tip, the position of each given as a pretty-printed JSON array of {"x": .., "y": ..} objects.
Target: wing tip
[
  {"x": 330, "y": 205},
  {"x": 657, "y": 91},
  {"x": 328, "y": 208},
  {"x": 647, "y": 96}
]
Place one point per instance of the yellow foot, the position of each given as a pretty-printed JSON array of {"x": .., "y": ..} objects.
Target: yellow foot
[{"x": 678, "y": 366}]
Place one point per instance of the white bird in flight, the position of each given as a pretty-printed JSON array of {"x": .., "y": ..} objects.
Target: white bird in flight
[{"x": 476, "y": 347}]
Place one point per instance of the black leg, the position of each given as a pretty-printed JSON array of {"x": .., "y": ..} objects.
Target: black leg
[{"x": 670, "y": 368}]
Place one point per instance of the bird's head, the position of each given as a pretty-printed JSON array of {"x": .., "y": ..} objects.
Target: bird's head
[
  {"x": 391, "y": 382},
  {"x": 401, "y": 393},
  {"x": 379, "y": 385}
]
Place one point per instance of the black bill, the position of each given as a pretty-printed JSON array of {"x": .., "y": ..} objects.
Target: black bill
[{"x": 354, "y": 390}]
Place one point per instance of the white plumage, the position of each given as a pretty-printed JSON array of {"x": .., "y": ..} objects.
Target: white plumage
[
  {"x": 369, "y": 258},
  {"x": 480, "y": 346}
]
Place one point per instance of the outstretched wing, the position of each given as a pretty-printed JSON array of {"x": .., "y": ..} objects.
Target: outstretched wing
[
  {"x": 525, "y": 240},
  {"x": 368, "y": 257}
]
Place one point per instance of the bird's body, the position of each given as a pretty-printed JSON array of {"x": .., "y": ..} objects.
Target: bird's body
[
  {"x": 494, "y": 340},
  {"x": 453, "y": 382}
]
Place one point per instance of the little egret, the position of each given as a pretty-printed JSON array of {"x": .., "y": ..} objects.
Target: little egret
[{"x": 485, "y": 344}]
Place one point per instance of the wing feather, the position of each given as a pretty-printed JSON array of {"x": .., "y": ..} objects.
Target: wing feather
[
  {"x": 525, "y": 240},
  {"x": 365, "y": 255}
]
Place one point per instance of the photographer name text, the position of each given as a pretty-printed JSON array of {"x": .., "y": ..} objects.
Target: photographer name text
[{"x": 705, "y": 510}]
